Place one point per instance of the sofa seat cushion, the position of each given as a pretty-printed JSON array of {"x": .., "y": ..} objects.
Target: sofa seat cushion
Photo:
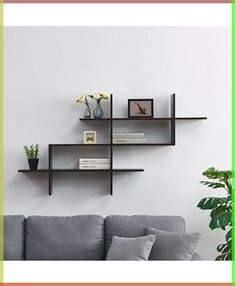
[
  {"x": 172, "y": 245},
  {"x": 135, "y": 226},
  {"x": 65, "y": 238},
  {"x": 14, "y": 226}
]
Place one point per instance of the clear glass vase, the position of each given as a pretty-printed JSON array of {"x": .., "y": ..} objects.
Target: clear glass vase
[
  {"x": 98, "y": 111},
  {"x": 87, "y": 112}
]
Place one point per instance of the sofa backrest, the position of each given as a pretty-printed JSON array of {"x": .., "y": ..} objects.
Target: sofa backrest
[
  {"x": 134, "y": 226},
  {"x": 82, "y": 237},
  {"x": 14, "y": 230},
  {"x": 64, "y": 238}
]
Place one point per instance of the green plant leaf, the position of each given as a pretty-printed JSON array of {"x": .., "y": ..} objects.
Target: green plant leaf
[
  {"x": 220, "y": 247},
  {"x": 213, "y": 185},
  {"x": 225, "y": 250},
  {"x": 227, "y": 256},
  {"x": 228, "y": 236},
  {"x": 220, "y": 218},
  {"x": 211, "y": 203},
  {"x": 31, "y": 151},
  {"x": 221, "y": 208},
  {"x": 211, "y": 173}
]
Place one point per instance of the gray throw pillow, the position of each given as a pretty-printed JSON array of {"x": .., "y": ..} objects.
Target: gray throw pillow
[
  {"x": 123, "y": 248},
  {"x": 172, "y": 245}
]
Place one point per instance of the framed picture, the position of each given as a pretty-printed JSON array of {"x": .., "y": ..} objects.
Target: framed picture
[
  {"x": 140, "y": 108},
  {"x": 89, "y": 137}
]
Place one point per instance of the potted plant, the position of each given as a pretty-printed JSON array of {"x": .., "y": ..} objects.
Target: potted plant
[
  {"x": 32, "y": 154},
  {"x": 220, "y": 207}
]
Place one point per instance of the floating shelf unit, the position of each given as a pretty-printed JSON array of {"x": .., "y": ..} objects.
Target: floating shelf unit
[{"x": 172, "y": 120}]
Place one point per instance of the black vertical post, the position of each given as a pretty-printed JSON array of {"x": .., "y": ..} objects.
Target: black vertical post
[
  {"x": 173, "y": 119},
  {"x": 50, "y": 173},
  {"x": 111, "y": 144}
]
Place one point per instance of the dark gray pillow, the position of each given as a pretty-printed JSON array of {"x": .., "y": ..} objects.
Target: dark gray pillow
[
  {"x": 123, "y": 248},
  {"x": 172, "y": 245}
]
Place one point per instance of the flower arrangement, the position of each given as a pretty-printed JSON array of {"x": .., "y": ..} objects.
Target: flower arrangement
[
  {"x": 83, "y": 100},
  {"x": 99, "y": 96},
  {"x": 97, "y": 112}
]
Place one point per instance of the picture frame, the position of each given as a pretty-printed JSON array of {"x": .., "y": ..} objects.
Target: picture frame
[
  {"x": 140, "y": 108},
  {"x": 89, "y": 137}
]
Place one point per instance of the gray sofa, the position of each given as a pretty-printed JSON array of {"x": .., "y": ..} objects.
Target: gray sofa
[{"x": 82, "y": 237}]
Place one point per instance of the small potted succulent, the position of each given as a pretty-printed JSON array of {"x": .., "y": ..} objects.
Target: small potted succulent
[
  {"x": 32, "y": 154},
  {"x": 98, "y": 112}
]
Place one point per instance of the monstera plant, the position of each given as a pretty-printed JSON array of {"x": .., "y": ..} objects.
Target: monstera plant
[{"x": 220, "y": 207}]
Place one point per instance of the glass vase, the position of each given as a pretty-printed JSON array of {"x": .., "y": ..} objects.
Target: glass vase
[
  {"x": 98, "y": 111},
  {"x": 87, "y": 112}
]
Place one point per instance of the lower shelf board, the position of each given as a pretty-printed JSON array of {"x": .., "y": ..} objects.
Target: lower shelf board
[
  {"x": 33, "y": 171},
  {"x": 128, "y": 170},
  {"x": 50, "y": 173},
  {"x": 80, "y": 170}
]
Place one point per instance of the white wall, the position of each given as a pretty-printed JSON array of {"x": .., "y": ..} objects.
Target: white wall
[{"x": 46, "y": 68}]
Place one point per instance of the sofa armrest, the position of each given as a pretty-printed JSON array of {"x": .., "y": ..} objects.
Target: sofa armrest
[{"x": 196, "y": 257}]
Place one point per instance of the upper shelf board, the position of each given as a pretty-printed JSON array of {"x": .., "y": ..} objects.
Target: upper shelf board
[{"x": 142, "y": 118}]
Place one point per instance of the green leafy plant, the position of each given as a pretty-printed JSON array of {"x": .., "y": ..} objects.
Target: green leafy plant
[
  {"x": 221, "y": 208},
  {"x": 31, "y": 151}
]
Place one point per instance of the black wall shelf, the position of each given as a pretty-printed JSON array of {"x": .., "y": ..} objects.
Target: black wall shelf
[
  {"x": 172, "y": 121},
  {"x": 143, "y": 119},
  {"x": 78, "y": 170}
]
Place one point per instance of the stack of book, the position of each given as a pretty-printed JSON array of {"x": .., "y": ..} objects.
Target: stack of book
[
  {"x": 94, "y": 163},
  {"x": 129, "y": 138}
]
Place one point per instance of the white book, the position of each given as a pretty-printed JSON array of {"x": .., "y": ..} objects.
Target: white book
[
  {"x": 94, "y": 160},
  {"x": 94, "y": 166},
  {"x": 131, "y": 141},
  {"x": 128, "y": 135}
]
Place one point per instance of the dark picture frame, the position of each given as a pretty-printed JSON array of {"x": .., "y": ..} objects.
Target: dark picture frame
[{"x": 140, "y": 108}]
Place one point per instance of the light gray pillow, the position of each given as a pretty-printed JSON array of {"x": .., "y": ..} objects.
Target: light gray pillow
[
  {"x": 172, "y": 245},
  {"x": 123, "y": 248}
]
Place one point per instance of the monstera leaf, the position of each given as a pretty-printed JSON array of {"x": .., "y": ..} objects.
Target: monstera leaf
[
  {"x": 211, "y": 203},
  {"x": 220, "y": 207},
  {"x": 226, "y": 248},
  {"x": 220, "y": 218}
]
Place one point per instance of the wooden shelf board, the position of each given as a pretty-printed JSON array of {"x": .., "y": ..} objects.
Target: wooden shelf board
[
  {"x": 141, "y": 118},
  {"x": 79, "y": 145},
  {"x": 80, "y": 170},
  {"x": 190, "y": 118},
  {"x": 33, "y": 171},
  {"x": 145, "y": 118},
  {"x": 114, "y": 144},
  {"x": 94, "y": 119},
  {"x": 143, "y": 144},
  {"x": 128, "y": 170}
]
